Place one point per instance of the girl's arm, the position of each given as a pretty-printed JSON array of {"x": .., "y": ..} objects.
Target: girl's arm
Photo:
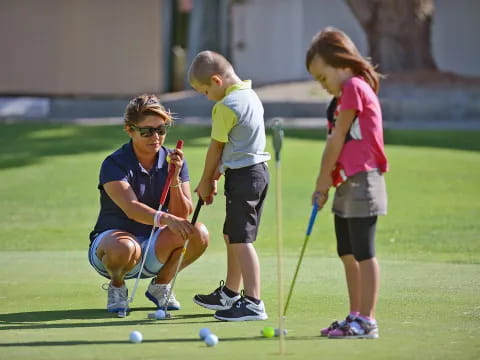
[{"x": 330, "y": 155}]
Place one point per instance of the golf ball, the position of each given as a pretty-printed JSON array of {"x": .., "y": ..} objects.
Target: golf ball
[
  {"x": 211, "y": 340},
  {"x": 277, "y": 332},
  {"x": 136, "y": 337},
  {"x": 203, "y": 333},
  {"x": 160, "y": 314},
  {"x": 268, "y": 332}
]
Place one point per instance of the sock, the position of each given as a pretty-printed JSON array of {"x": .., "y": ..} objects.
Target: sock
[
  {"x": 354, "y": 313},
  {"x": 228, "y": 292},
  {"x": 252, "y": 299},
  {"x": 367, "y": 318}
]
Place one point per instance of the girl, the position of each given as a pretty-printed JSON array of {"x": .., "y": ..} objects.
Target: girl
[{"x": 353, "y": 161}]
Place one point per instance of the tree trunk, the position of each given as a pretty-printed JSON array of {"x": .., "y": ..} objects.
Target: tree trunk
[{"x": 398, "y": 32}]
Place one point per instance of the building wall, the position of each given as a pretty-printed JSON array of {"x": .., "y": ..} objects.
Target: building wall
[
  {"x": 88, "y": 47},
  {"x": 455, "y": 39},
  {"x": 270, "y": 37}
]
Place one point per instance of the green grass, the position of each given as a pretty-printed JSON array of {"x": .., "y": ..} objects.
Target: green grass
[{"x": 428, "y": 247}]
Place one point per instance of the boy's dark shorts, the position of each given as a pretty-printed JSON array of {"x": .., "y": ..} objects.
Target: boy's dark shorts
[{"x": 245, "y": 191}]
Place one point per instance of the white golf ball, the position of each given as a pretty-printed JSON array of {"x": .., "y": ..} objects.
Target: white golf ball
[
  {"x": 136, "y": 337},
  {"x": 203, "y": 333},
  {"x": 277, "y": 332},
  {"x": 160, "y": 314},
  {"x": 211, "y": 340}
]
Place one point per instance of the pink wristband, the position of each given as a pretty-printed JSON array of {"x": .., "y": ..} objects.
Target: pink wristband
[{"x": 156, "y": 218}]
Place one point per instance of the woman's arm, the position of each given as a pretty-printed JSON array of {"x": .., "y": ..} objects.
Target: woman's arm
[
  {"x": 180, "y": 203},
  {"x": 124, "y": 197}
]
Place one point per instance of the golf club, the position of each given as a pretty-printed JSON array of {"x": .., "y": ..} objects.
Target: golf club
[
  {"x": 182, "y": 254},
  {"x": 313, "y": 215},
  {"x": 277, "y": 145}
]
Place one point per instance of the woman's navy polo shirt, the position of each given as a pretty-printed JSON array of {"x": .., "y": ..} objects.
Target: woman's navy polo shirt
[{"x": 123, "y": 165}]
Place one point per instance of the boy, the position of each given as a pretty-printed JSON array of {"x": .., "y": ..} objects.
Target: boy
[{"x": 236, "y": 150}]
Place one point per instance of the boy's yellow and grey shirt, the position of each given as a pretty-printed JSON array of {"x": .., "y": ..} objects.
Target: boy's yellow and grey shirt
[{"x": 237, "y": 121}]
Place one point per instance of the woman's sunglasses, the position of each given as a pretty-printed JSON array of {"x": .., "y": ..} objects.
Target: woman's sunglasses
[{"x": 149, "y": 131}]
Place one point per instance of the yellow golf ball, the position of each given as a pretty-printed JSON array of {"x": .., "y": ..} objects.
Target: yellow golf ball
[{"x": 268, "y": 332}]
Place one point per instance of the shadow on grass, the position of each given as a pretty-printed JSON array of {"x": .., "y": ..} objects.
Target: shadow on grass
[
  {"x": 37, "y": 319},
  {"x": 151, "y": 341},
  {"x": 26, "y": 143}
]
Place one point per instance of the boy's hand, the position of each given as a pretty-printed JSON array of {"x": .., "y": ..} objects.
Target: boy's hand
[{"x": 206, "y": 190}]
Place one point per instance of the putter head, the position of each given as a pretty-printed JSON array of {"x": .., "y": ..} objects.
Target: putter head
[{"x": 277, "y": 137}]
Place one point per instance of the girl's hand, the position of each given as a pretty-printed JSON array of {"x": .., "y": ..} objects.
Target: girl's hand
[{"x": 320, "y": 195}]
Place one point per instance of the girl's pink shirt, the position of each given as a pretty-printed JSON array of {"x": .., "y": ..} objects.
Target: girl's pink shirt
[{"x": 366, "y": 150}]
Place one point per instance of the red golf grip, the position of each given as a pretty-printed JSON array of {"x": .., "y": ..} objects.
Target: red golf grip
[{"x": 171, "y": 169}]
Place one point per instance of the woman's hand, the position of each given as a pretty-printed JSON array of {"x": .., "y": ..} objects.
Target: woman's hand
[
  {"x": 176, "y": 158},
  {"x": 180, "y": 227}
]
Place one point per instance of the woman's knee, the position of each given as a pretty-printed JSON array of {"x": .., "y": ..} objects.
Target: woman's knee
[
  {"x": 201, "y": 236},
  {"x": 119, "y": 250}
]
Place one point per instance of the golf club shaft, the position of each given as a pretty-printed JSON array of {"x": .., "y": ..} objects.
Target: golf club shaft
[
  {"x": 313, "y": 215},
  {"x": 182, "y": 254},
  {"x": 277, "y": 145},
  {"x": 280, "y": 278},
  {"x": 163, "y": 197}
]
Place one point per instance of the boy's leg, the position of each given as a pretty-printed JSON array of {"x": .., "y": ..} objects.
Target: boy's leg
[
  {"x": 245, "y": 190},
  {"x": 234, "y": 272},
  {"x": 223, "y": 297},
  {"x": 247, "y": 259}
]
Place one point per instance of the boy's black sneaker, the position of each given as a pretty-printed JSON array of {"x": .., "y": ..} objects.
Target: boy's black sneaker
[
  {"x": 243, "y": 310},
  {"x": 217, "y": 300}
]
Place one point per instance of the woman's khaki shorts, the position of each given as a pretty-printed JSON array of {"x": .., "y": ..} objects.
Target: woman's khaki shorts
[{"x": 363, "y": 194}]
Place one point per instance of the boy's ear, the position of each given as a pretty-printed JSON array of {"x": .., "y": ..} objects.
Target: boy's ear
[{"x": 217, "y": 79}]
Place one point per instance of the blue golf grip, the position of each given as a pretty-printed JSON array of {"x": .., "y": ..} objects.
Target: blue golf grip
[{"x": 313, "y": 215}]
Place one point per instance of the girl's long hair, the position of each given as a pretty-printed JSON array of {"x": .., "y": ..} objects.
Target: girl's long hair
[{"x": 339, "y": 51}]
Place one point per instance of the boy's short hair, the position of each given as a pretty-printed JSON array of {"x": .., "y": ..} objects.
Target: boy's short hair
[{"x": 206, "y": 64}]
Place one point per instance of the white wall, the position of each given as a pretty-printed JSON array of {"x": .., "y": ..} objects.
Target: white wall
[
  {"x": 276, "y": 34},
  {"x": 456, "y": 36}
]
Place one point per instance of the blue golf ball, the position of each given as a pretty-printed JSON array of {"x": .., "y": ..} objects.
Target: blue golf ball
[
  {"x": 160, "y": 314},
  {"x": 203, "y": 333}
]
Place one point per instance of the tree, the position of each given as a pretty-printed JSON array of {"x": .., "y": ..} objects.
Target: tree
[{"x": 398, "y": 32}]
